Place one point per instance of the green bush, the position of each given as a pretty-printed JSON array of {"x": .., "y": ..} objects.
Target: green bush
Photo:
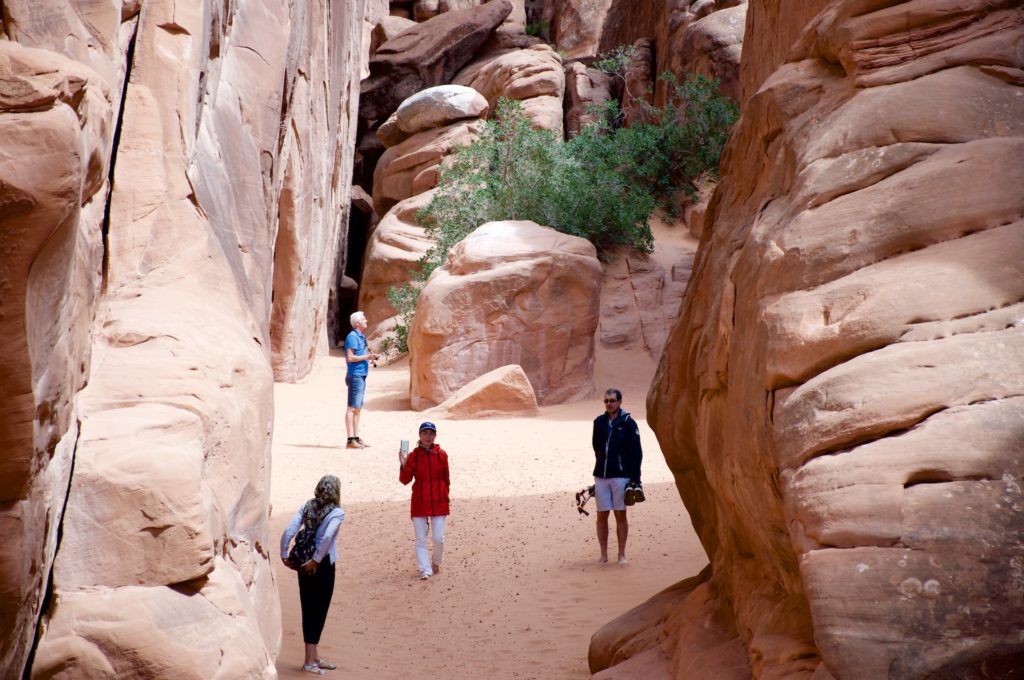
[
  {"x": 601, "y": 185},
  {"x": 539, "y": 29}
]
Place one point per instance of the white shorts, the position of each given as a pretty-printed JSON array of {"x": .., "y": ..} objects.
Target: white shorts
[{"x": 610, "y": 493}]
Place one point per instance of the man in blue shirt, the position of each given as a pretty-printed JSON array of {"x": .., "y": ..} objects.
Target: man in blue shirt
[{"x": 358, "y": 358}]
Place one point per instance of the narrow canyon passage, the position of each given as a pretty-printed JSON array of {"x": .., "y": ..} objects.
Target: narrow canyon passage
[{"x": 521, "y": 591}]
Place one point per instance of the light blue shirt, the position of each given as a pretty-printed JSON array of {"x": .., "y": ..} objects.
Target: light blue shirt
[{"x": 326, "y": 535}]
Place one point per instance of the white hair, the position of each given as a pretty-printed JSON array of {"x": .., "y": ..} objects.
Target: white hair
[{"x": 356, "y": 316}]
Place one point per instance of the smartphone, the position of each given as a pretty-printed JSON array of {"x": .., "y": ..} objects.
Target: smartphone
[{"x": 404, "y": 450}]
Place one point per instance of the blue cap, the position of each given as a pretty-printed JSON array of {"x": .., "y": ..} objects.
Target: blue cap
[{"x": 428, "y": 426}]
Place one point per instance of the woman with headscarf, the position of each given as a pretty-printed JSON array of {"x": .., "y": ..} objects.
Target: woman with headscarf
[{"x": 316, "y": 575}]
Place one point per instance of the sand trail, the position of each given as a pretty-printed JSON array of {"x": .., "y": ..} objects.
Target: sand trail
[{"x": 521, "y": 592}]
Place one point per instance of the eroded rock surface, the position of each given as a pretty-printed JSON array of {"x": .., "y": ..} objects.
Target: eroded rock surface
[
  {"x": 585, "y": 88},
  {"x": 396, "y": 245},
  {"x": 413, "y": 165},
  {"x": 505, "y": 391},
  {"x": 491, "y": 305},
  {"x": 533, "y": 76},
  {"x": 148, "y": 319},
  {"x": 56, "y": 127},
  {"x": 841, "y": 399},
  {"x": 641, "y": 294},
  {"x": 426, "y": 55},
  {"x": 432, "y": 108}
]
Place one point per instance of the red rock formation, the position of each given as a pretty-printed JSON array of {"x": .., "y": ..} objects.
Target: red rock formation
[
  {"x": 234, "y": 148},
  {"x": 426, "y": 55},
  {"x": 505, "y": 391},
  {"x": 841, "y": 399},
  {"x": 55, "y": 123},
  {"x": 510, "y": 293},
  {"x": 533, "y": 76},
  {"x": 584, "y": 88}
]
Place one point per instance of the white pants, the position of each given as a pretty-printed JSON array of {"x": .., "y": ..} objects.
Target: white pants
[{"x": 423, "y": 558}]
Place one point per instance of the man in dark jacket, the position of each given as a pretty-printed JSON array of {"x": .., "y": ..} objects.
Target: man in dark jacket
[{"x": 617, "y": 450}]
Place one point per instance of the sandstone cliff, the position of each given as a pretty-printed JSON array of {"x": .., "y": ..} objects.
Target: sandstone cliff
[
  {"x": 169, "y": 175},
  {"x": 840, "y": 400}
]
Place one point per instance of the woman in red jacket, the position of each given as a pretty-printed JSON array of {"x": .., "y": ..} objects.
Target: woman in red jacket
[{"x": 428, "y": 465}]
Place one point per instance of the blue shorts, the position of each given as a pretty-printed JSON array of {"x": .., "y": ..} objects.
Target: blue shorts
[
  {"x": 356, "y": 390},
  {"x": 610, "y": 493}
]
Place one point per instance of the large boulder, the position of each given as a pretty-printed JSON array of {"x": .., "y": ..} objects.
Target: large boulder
[
  {"x": 426, "y": 55},
  {"x": 413, "y": 166},
  {"x": 510, "y": 293},
  {"x": 840, "y": 401},
  {"x": 533, "y": 76},
  {"x": 432, "y": 108},
  {"x": 712, "y": 46},
  {"x": 387, "y": 28},
  {"x": 505, "y": 391},
  {"x": 395, "y": 247}
]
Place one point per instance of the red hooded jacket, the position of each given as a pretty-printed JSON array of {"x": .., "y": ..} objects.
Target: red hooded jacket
[{"x": 430, "y": 490}]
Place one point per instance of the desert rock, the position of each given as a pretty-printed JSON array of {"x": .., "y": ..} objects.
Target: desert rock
[
  {"x": 389, "y": 27},
  {"x": 396, "y": 245},
  {"x": 505, "y": 391},
  {"x": 426, "y": 55},
  {"x": 584, "y": 88},
  {"x": 534, "y": 76},
  {"x": 412, "y": 166},
  {"x": 55, "y": 122},
  {"x": 150, "y": 317},
  {"x": 712, "y": 47},
  {"x": 427, "y": 9},
  {"x": 439, "y": 106},
  {"x": 490, "y": 306},
  {"x": 839, "y": 398}
]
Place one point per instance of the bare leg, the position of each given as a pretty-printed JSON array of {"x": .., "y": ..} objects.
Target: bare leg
[
  {"x": 311, "y": 654},
  {"x": 352, "y": 422},
  {"x": 602, "y": 534},
  {"x": 621, "y": 532}
]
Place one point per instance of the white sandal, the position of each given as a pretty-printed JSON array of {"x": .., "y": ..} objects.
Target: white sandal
[{"x": 313, "y": 668}]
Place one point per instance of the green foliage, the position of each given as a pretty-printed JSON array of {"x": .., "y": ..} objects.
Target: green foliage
[
  {"x": 540, "y": 29},
  {"x": 617, "y": 61},
  {"x": 403, "y": 299},
  {"x": 601, "y": 185}
]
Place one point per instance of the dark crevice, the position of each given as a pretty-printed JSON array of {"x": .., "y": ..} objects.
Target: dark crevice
[
  {"x": 115, "y": 144},
  {"x": 47, "y": 603},
  {"x": 936, "y": 476}
]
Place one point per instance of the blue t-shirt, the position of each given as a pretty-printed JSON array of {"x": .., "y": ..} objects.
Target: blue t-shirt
[{"x": 356, "y": 341}]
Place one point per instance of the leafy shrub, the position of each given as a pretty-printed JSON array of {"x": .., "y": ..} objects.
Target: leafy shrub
[
  {"x": 539, "y": 29},
  {"x": 601, "y": 185}
]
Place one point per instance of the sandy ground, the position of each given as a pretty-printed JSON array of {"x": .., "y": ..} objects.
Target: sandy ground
[{"x": 521, "y": 591}]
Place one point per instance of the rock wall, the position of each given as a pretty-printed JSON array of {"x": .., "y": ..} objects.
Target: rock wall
[
  {"x": 174, "y": 176},
  {"x": 840, "y": 401}
]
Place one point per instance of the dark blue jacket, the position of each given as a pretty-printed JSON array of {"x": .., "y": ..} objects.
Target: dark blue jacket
[{"x": 617, "y": 447}]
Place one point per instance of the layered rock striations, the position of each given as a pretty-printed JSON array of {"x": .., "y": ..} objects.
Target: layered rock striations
[
  {"x": 841, "y": 399},
  {"x": 142, "y": 324}
]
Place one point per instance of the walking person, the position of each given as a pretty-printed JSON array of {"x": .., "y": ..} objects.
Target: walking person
[
  {"x": 322, "y": 515},
  {"x": 357, "y": 360},
  {"x": 618, "y": 456},
  {"x": 427, "y": 464}
]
